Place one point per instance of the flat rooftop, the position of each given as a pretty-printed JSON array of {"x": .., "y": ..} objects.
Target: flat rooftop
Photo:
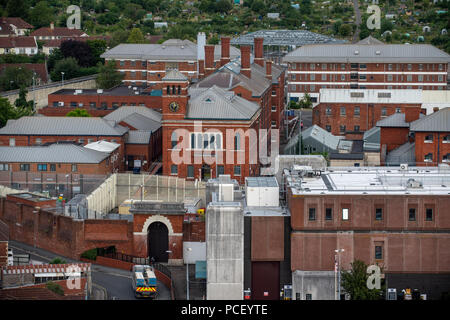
[
  {"x": 371, "y": 180},
  {"x": 117, "y": 91}
]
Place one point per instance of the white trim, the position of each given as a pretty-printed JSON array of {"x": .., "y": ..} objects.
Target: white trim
[
  {"x": 437, "y": 84},
  {"x": 369, "y": 72},
  {"x": 157, "y": 218}
]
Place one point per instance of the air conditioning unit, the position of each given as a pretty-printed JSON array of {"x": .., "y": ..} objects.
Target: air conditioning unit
[
  {"x": 411, "y": 183},
  {"x": 404, "y": 166},
  {"x": 61, "y": 103},
  {"x": 99, "y": 90}
]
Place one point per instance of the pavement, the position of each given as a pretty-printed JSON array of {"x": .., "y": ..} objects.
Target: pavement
[
  {"x": 107, "y": 283},
  {"x": 197, "y": 287}
]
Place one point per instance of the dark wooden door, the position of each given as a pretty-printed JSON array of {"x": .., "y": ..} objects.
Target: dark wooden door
[
  {"x": 266, "y": 280},
  {"x": 158, "y": 242}
]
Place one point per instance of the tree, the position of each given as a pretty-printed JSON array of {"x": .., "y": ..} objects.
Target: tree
[
  {"x": 7, "y": 111},
  {"x": 41, "y": 15},
  {"x": 136, "y": 36},
  {"x": 78, "y": 113},
  {"x": 108, "y": 76},
  {"x": 345, "y": 30},
  {"x": 17, "y": 8},
  {"x": 54, "y": 287},
  {"x": 118, "y": 37},
  {"x": 98, "y": 47},
  {"x": 354, "y": 283},
  {"x": 54, "y": 57},
  {"x": 58, "y": 261},
  {"x": 21, "y": 103},
  {"x": 305, "y": 102},
  {"x": 15, "y": 77},
  {"x": 79, "y": 50},
  {"x": 69, "y": 66}
]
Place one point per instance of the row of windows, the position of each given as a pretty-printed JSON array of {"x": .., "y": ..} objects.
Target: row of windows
[
  {"x": 399, "y": 66},
  {"x": 357, "y": 110},
  {"x": 429, "y": 138},
  {"x": 208, "y": 141},
  {"x": 103, "y": 105},
  {"x": 343, "y": 128},
  {"x": 429, "y": 157},
  {"x": 190, "y": 170},
  {"x": 355, "y": 76},
  {"x": 378, "y": 214},
  {"x": 45, "y": 167},
  {"x": 312, "y": 87}
]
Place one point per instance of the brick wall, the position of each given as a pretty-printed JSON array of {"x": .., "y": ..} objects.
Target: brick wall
[{"x": 437, "y": 147}]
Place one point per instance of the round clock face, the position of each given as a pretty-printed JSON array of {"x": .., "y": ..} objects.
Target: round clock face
[{"x": 174, "y": 106}]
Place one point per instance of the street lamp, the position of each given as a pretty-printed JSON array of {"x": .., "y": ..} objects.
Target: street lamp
[
  {"x": 62, "y": 76},
  {"x": 187, "y": 275},
  {"x": 337, "y": 273}
]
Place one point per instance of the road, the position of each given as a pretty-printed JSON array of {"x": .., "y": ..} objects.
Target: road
[
  {"x": 358, "y": 20},
  {"x": 116, "y": 282}
]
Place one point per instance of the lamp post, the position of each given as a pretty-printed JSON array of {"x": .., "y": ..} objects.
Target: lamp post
[
  {"x": 62, "y": 76},
  {"x": 337, "y": 274},
  {"x": 187, "y": 275}
]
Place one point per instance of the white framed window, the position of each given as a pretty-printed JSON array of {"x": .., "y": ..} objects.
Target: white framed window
[
  {"x": 12, "y": 142},
  {"x": 345, "y": 215},
  {"x": 207, "y": 140}
]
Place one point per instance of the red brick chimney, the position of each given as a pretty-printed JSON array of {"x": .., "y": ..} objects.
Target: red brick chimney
[
  {"x": 269, "y": 69},
  {"x": 411, "y": 114},
  {"x": 245, "y": 61},
  {"x": 209, "y": 59},
  {"x": 225, "y": 53},
  {"x": 259, "y": 51},
  {"x": 201, "y": 69}
]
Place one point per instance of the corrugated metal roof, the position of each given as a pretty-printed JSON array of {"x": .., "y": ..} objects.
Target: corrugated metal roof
[
  {"x": 102, "y": 146},
  {"x": 403, "y": 154},
  {"x": 397, "y": 120},
  {"x": 322, "y": 136},
  {"x": 370, "y": 40},
  {"x": 138, "y": 137},
  {"x": 54, "y": 153},
  {"x": 123, "y": 112},
  {"x": 372, "y": 135},
  {"x": 368, "y": 53},
  {"x": 63, "y": 126},
  {"x": 217, "y": 103},
  {"x": 140, "y": 122},
  {"x": 436, "y": 122},
  {"x": 175, "y": 75}
]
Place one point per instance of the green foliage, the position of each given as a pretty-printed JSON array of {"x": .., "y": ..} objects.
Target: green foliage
[
  {"x": 13, "y": 78},
  {"x": 97, "y": 48},
  {"x": 7, "y": 111},
  {"x": 55, "y": 287},
  {"x": 41, "y": 15},
  {"x": 90, "y": 254},
  {"x": 54, "y": 57},
  {"x": 58, "y": 261},
  {"x": 354, "y": 283},
  {"x": 21, "y": 102},
  {"x": 345, "y": 30},
  {"x": 136, "y": 36},
  {"x": 305, "y": 102},
  {"x": 17, "y": 8},
  {"x": 69, "y": 66},
  {"x": 108, "y": 76},
  {"x": 78, "y": 113}
]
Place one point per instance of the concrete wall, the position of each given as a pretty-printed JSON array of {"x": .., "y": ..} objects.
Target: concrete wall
[
  {"x": 225, "y": 251},
  {"x": 40, "y": 93},
  {"x": 319, "y": 284},
  {"x": 317, "y": 162}
]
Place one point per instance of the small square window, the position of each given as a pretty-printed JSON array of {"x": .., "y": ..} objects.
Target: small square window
[
  {"x": 312, "y": 214},
  {"x": 308, "y": 296},
  {"x": 220, "y": 170},
  {"x": 53, "y": 167},
  {"x": 429, "y": 214}
]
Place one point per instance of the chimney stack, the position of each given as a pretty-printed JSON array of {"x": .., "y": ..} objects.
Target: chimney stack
[
  {"x": 269, "y": 70},
  {"x": 225, "y": 52},
  {"x": 209, "y": 59},
  {"x": 52, "y": 25},
  {"x": 245, "y": 61},
  {"x": 259, "y": 51}
]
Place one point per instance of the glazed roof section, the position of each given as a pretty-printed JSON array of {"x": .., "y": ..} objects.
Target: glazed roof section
[{"x": 371, "y": 180}]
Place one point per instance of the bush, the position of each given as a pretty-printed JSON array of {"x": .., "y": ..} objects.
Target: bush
[
  {"x": 58, "y": 261},
  {"x": 90, "y": 254},
  {"x": 56, "y": 288}
]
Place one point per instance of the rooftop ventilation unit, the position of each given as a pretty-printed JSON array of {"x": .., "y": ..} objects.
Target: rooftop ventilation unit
[
  {"x": 99, "y": 90},
  {"x": 377, "y": 52},
  {"x": 356, "y": 52},
  {"x": 404, "y": 166},
  {"x": 412, "y": 183}
]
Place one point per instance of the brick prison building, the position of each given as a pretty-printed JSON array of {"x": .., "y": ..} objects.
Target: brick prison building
[
  {"x": 365, "y": 66},
  {"x": 395, "y": 218}
]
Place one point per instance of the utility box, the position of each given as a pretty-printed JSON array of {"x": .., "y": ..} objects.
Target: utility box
[
  {"x": 392, "y": 294},
  {"x": 262, "y": 192}
]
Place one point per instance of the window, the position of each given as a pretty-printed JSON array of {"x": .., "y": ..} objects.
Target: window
[
  {"x": 409, "y": 78},
  {"x": 143, "y": 74},
  {"x": 52, "y": 167},
  {"x": 446, "y": 139},
  {"x": 174, "y": 169},
  {"x": 328, "y": 111},
  {"x": 312, "y": 76},
  {"x": 420, "y": 67},
  {"x": 428, "y": 157},
  {"x": 12, "y": 142},
  {"x": 274, "y": 108},
  {"x": 312, "y": 214},
  {"x": 440, "y": 78},
  {"x": 344, "y": 214},
  {"x": 342, "y": 66},
  {"x": 38, "y": 141},
  {"x": 312, "y": 66},
  {"x": 409, "y": 66},
  {"x": 328, "y": 214},
  {"x": 122, "y": 63},
  {"x": 133, "y": 74},
  {"x": 237, "y": 141},
  {"x": 293, "y": 77},
  {"x": 74, "y": 168},
  {"x": 312, "y": 88},
  {"x": 420, "y": 77},
  {"x": 308, "y": 296},
  {"x": 356, "y": 111},
  {"x": 220, "y": 170},
  {"x": 25, "y": 167},
  {"x": 362, "y": 66},
  {"x": 190, "y": 171},
  {"x": 378, "y": 214},
  {"x": 389, "y": 77},
  {"x": 384, "y": 111},
  {"x": 104, "y": 105},
  {"x": 429, "y": 214},
  {"x": 324, "y": 77},
  {"x": 42, "y": 167},
  {"x": 378, "y": 252},
  {"x": 174, "y": 139},
  {"x": 55, "y": 103},
  {"x": 237, "y": 170},
  {"x": 389, "y": 66},
  {"x": 133, "y": 63},
  {"x": 440, "y": 67},
  {"x": 356, "y": 128},
  {"x": 412, "y": 214},
  {"x": 92, "y": 104},
  {"x": 354, "y": 66},
  {"x": 342, "y": 77},
  {"x": 342, "y": 128},
  {"x": 274, "y": 124},
  {"x": 362, "y": 77},
  {"x": 398, "y": 110},
  {"x": 144, "y": 63},
  {"x": 4, "y": 167},
  {"x": 324, "y": 66},
  {"x": 81, "y": 141},
  {"x": 429, "y": 138},
  {"x": 446, "y": 157},
  {"x": 328, "y": 128}
]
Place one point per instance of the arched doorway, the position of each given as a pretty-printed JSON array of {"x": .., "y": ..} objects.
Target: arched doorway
[{"x": 158, "y": 242}]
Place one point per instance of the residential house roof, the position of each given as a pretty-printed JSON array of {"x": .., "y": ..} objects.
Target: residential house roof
[
  {"x": 54, "y": 153},
  {"x": 436, "y": 122},
  {"x": 7, "y": 23},
  {"x": 57, "y": 32},
  {"x": 18, "y": 42},
  {"x": 63, "y": 126},
  {"x": 217, "y": 103}
]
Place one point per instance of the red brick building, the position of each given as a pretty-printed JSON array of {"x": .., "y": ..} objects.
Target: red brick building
[
  {"x": 98, "y": 102},
  {"x": 375, "y": 217},
  {"x": 365, "y": 66},
  {"x": 352, "y": 112}
]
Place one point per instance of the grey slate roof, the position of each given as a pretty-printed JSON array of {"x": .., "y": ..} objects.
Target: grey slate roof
[
  {"x": 138, "y": 137},
  {"x": 123, "y": 112},
  {"x": 372, "y": 135},
  {"x": 322, "y": 136},
  {"x": 284, "y": 38},
  {"x": 403, "y": 154},
  {"x": 54, "y": 153},
  {"x": 397, "y": 120},
  {"x": 140, "y": 122},
  {"x": 436, "y": 122},
  {"x": 63, "y": 126},
  {"x": 173, "y": 49},
  {"x": 368, "y": 53},
  {"x": 370, "y": 40},
  {"x": 175, "y": 75},
  {"x": 217, "y": 103}
]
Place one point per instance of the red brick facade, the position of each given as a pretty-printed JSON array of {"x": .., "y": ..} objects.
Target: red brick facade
[{"x": 431, "y": 152}]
